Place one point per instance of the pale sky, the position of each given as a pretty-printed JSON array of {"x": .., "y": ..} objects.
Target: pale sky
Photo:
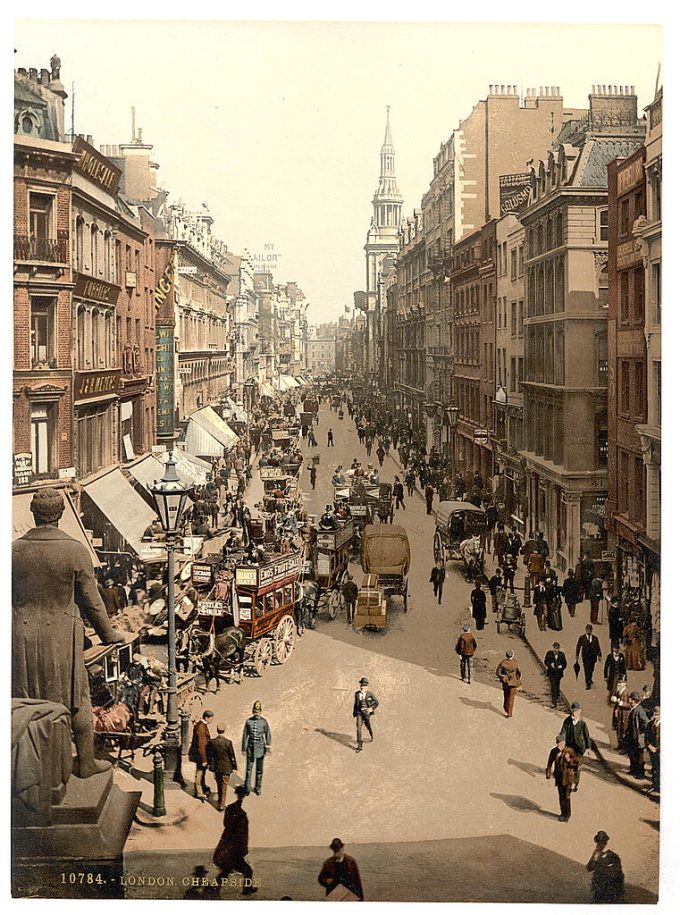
[{"x": 277, "y": 126}]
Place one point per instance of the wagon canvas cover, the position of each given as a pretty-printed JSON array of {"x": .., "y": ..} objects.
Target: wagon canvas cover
[{"x": 385, "y": 550}]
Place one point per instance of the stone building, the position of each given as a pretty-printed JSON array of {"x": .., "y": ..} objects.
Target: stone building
[
  {"x": 246, "y": 342},
  {"x": 565, "y": 339},
  {"x": 321, "y": 351},
  {"x": 633, "y": 505},
  {"x": 408, "y": 356},
  {"x": 508, "y": 364}
]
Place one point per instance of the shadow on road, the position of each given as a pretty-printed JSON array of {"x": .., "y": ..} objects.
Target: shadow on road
[
  {"x": 523, "y": 805},
  {"x": 528, "y": 768},
  {"x": 653, "y": 823},
  {"x": 489, "y": 706},
  {"x": 345, "y": 739}
]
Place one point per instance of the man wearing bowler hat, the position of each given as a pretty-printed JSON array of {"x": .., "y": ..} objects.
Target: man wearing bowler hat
[
  {"x": 255, "y": 744},
  {"x": 365, "y": 705},
  {"x": 607, "y": 886},
  {"x": 577, "y": 737},
  {"x": 341, "y": 869}
]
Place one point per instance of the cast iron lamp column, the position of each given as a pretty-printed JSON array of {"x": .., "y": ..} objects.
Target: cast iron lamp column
[{"x": 170, "y": 497}]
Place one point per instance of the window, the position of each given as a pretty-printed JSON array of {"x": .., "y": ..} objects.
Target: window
[
  {"x": 638, "y": 296},
  {"x": 513, "y": 264},
  {"x": 656, "y": 380},
  {"x": 520, "y": 369},
  {"x": 638, "y": 500},
  {"x": 513, "y": 374},
  {"x": 94, "y": 250},
  {"x": 559, "y": 355},
  {"x": 624, "y": 302},
  {"x": 520, "y": 261},
  {"x": 603, "y": 225},
  {"x": 639, "y": 204},
  {"x": 513, "y": 319},
  {"x": 549, "y": 234},
  {"x": 558, "y": 230},
  {"x": 603, "y": 287},
  {"x": 42, "y": 331},
  {"x": 520, "y": 318},
  {"x": 505, "y": 311},
  {"x": 624, "y": 403},
  {"x": 655, "y": 293},
  {"x": 80, "y": 243},
  {"x": 623, "y": 482},
  {"x": 624, "y": 217},
  {"x": 40, "y": 216},
  {"x": 639, "y": 390},
  {"x": 42, "y": 429},
  {"x": 505, "y": 258}
]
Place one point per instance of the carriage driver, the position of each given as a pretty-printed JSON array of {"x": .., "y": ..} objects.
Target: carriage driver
[{"x": 256, "y": 742}]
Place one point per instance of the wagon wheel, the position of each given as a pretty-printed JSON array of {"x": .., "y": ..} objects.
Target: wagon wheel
[
  {"x": 263, "y": 656},
  {"x": 438, "y": 548},
  {"x": 284, "y": 639},
  {"x": 334, "y": 603}
]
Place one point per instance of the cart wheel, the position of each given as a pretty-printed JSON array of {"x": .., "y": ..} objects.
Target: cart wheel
[
  {"x": 334, "y": 602},
  {"x": 284, "y": 639},
  {"x": 263, "y": 656},
  {"x": 438, "y": 547}
]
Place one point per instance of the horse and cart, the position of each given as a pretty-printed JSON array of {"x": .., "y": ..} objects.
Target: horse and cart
[
  {"x": 459, "y": 528},
  {"x": 329, "y": 555},
  {"x": 385, "y": 560}
]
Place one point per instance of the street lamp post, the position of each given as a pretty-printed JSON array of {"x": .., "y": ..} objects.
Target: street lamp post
[
  {"x": 170, "y": 497},
  {"x": 452, "y": 414}
]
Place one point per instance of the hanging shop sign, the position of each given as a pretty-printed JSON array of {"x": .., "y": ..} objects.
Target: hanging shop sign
[{"x": 165, "y": 283}]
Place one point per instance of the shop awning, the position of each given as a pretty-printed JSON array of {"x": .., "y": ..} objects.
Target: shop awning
[
  {"x": 151, "y": 467},
  {"x": 124, "y": 508},
  {"x": 70, "y": 523},
  {"x": 266, "y": 390},
  {"x": 289, "y": 381},
  {"x": 231, "y": 409},
  {"x": 190, "y": 466},
  {"x": 208, "y": 435},
  {"x": 300, "y": 380}
]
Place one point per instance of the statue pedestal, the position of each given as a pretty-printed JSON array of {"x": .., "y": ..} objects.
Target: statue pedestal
[{"x": 81, "y": 854}]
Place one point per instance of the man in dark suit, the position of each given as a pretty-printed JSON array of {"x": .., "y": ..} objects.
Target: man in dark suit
[
  {"x": 53, "y": 589},
  {"x": 231, "y": 851},
  {"x": 555, "y": 663},
  {"x": 478, "y": 603},
  {"x": 365, "y": 705},
  {"x": 198, "y": 753},
  {"x": 437, "y": 578},
  {"x": 634, "y": 739},
  {"x": 588, "y": 647},
  {"x": 563, "y": 765},
  {"x": 341, "y": 869},
  {"x": 221, "y": 761},
  {"x": 614, "y": 669},
  {"x": 577, "y": 737},
  {"x": 571, "y": 591},
  {"x": 255, "y": 744}
]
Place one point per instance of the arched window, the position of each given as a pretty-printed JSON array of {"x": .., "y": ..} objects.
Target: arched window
[
  {"x": 80, "y": 336},
  {"x": 559, "y": 285},
  {"x": 94, "y": 250},
  {"x": 80, "y": 243},
  {"x": 107, "y": 256},
  {"x": 540, "y": 291},
  {"x": 109, "y": 358},
  {"x": 530, "y": 243},
  {"x": 549, "y": 288},
  {"x": 603, "y": 286}
]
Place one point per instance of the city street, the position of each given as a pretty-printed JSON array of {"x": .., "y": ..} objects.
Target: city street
[{"x": 445, "y": 765}]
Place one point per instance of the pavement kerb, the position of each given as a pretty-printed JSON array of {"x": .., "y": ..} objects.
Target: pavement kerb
[{"x": 634, "y": 786}]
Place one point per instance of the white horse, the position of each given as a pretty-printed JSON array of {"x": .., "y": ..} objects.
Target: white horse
[{"x": 471, "y": 553}]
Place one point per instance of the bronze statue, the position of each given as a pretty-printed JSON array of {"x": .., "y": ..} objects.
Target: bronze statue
[{"x": 53, "y": 582}]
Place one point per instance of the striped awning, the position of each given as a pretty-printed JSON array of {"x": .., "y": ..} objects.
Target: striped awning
[
  {"x": 126, "y": 510},
  {"x": 266, "y": 390},
  {"x": 208, "y": 435}
]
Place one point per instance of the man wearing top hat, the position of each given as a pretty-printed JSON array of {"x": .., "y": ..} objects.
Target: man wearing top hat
[
  {"x": 256, "y": 742},
  {"x": 365, "y": 705}
]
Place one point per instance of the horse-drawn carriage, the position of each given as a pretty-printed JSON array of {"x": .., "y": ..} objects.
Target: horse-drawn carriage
[
  {"x": 385, "y": 560},
  {"x": 330, "y": 553},
  {"x": 360, "y": 497},
  {"x": 280, "y": 486},
  {"x": 458, "y": 529}
]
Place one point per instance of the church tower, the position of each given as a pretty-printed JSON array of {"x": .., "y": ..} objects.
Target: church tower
[{"x": 382, "y": 237}]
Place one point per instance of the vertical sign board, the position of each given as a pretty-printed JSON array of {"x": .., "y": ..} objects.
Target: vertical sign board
[
  {"x": 165, "y": 381},
  {"x": 23, "y": 468}
]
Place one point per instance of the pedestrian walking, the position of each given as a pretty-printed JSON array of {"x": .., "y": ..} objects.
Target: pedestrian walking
[
  {"x": 588, "y": 647},
  {"x": 607, "y": 886},
  {"x": 350, "y": 593},
  {"x": 554, "y": 602},
  {"x": 222, "y": 762},
  {"x": 510, "y": 675},
  {"x": 465, "y": 648},
  {"x": 255, "y": 744},
  {"x": 614, "y": 669},
  {"x": 577, "y": 737},
  {"x": 398, "y": 492},
  {"x": 365, "y": 704},
  {"x": 541, "y": 597},
  {"x": 232, "y": 849},
  {"x": 341, "y": 870},
  {"x": 653, "y": 743},
  {"x": 478, "y": 604},
  {"x": 311, "y": 440},
  {"x": 410, "y": 479},
  {"x": 632, "y": 646},
  {"x": 634, "y": 738},
  {"x": 509, "y": 569},
  {"x": 198, "y": 753},
  {"x": 615, "y": 622},
  {"x": 555, "y": 663},
  {"x": 495, "y": 582},
  {"x": 380, "y": 454},
  {"x": 535, "y": 566},
  {"x": 429, "y": 496},
  {"x": 571, "y": 591},
  {"x": 312, "y": 476},
  {"x": 437, "y": 578},
  {"x": 595, "y": 596},
  {"x": 562, "y": 766},
  {"x": 587, "y": 573}
]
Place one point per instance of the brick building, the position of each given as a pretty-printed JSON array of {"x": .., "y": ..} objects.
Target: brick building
[{"x": 43, "y": 377}]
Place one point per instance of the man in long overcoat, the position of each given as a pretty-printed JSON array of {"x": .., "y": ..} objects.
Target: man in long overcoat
[
  {"x": 255, "y": 744},
  {"x": 562, "y": 765},
  {"x": 53, "y": 583}
]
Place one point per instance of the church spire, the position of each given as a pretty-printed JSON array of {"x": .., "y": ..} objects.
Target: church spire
[{"x": 387, "y": 200}]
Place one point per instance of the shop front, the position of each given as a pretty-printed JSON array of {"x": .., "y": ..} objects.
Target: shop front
[{"x": 96, "y": 423}]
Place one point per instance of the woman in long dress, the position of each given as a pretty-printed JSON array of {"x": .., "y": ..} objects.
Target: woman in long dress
[
  {"x": 632, "y": 646},
  {"x": 554, "y": 610}
]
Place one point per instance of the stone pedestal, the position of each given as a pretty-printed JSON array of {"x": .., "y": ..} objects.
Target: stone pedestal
[{"x": 80, "y": 855}]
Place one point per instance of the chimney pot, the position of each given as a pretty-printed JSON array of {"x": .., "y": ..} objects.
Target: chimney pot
[
  {"x": 490, "y": 89},
  {"x": 32, "y": 73},
  {"x": 632, "y": 90}
]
